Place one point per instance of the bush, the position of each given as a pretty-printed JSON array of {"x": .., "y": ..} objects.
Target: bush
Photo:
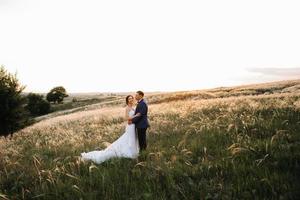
[
  {"x": 74, "y": 99},
  {"x": 37, "y": 105}
]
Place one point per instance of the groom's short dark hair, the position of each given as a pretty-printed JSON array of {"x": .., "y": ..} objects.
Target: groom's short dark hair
[{"x": 140, "y": 93}]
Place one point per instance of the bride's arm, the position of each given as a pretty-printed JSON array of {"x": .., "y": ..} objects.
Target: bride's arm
[
  {"x": 136, "y": 115},
  {"x": 126, "y": 114}
]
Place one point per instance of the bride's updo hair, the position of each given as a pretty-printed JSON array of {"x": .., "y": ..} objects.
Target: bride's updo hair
[{"x": 127, "y": 99}]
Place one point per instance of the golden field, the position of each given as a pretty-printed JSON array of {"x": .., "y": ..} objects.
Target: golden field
[{"x": 224, "y": 143}]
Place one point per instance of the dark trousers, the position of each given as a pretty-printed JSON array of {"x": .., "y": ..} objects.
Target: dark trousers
[{"x": 142, "y": 138}]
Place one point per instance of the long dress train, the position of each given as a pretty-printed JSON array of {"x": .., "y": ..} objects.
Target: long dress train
[{"x": 125, "y": 146}]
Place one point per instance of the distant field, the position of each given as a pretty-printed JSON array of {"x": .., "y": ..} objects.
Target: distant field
[
  {"x": 224, "y": 143},
  {"x": 91, "y": 101}
]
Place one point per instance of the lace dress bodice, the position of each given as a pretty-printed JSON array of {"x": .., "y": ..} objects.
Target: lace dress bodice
[{"x": 131, "y": 112}]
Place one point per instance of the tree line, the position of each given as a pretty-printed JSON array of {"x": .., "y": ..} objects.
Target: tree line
[{"x": 17, "y": 109}]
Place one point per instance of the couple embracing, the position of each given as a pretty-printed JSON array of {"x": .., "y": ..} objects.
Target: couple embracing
[{"x": 133, "y": 140}]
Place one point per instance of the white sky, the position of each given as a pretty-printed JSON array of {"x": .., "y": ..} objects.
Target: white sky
[{"x": 157, "y": 45}]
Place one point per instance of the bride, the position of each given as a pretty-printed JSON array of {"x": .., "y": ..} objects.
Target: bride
[{"x": 125, "y": 146}]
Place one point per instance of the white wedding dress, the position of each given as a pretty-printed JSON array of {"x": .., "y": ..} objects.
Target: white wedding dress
[{"x": 125, "y": 146}]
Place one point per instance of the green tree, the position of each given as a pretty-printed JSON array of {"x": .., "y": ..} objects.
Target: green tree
[
  {"x": 37, "y": 105},
  {"x": 57, "y": 94},
  {"x": 13, "y": 116}
]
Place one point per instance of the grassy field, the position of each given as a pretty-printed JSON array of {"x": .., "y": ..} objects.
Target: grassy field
[{"x": 225, "y": 143}]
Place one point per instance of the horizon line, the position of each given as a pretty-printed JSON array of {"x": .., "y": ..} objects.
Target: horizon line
[{"x": 166, "y": 91}]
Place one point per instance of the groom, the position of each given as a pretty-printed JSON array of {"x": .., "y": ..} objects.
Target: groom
[{"x": 141, "y": 120}]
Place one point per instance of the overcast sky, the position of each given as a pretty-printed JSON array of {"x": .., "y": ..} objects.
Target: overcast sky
[{"x": 157, "y": 45}]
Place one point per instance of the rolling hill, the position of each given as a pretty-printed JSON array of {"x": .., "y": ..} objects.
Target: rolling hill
[{"x": 224, "y": 143}]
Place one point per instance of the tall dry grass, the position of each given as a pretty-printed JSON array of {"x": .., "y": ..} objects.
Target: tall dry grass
[{"x": 244, "y": 147}]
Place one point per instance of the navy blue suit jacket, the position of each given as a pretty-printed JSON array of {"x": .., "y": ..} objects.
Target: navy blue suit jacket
[{"x": 142, "y": 120}]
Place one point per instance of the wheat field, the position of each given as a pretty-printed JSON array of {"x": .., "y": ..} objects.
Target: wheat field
[{"x": 225, "y": 143}]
